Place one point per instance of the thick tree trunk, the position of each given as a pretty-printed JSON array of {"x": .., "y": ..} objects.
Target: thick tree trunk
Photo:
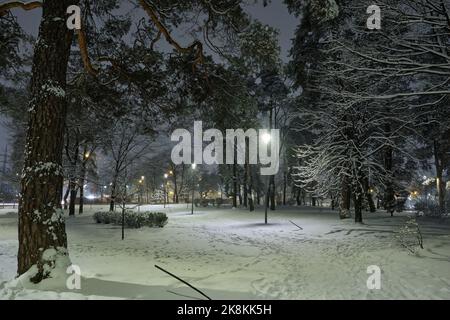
[
  {"x": 344, "y": 205},
  {"x": 284, "y": 188},
  {"x": 73, "y": 197},
  {"x": 357, "y": 199},
  {"x": 81, "y": 201},
  {"x": 42, "y": 235}
]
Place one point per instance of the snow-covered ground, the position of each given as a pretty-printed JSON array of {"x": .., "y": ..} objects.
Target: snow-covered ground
[{"x": 231, "y": 254}]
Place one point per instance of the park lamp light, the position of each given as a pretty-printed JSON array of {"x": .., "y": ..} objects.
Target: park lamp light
[{"x": 266, "y": 138}]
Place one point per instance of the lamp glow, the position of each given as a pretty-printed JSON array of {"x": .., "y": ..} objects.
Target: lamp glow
[{"x": 266, "y": 138}]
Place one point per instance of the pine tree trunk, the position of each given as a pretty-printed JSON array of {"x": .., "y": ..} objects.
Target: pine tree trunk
[
  {"x": 81, "y": 202},
  {"x": 41, "y": 221}
]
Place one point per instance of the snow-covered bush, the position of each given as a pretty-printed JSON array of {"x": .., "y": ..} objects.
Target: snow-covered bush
[
  {"x": 410, "y": 236},
  {"x": 132, "y": 219},
  {"x": 102, "y": 217}
]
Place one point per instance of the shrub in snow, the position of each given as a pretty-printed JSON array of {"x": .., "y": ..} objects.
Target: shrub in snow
[
  {"x": 103, "y": 217},
  {"x": 132, "y": 219},
  {"x": 410, "y": 236}
]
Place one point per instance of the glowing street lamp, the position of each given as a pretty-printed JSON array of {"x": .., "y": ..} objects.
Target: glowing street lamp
[
  {"x": 165, "y": 189},
  {"x": 266, "y": 138}
]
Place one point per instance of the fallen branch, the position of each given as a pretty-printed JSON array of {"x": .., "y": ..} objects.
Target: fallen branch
[
  {"x": 296, "y": 225},
  {"x": 185, "y": 282}
]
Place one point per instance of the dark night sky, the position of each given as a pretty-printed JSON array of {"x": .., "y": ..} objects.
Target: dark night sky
[{"x": 275, "y": 14}]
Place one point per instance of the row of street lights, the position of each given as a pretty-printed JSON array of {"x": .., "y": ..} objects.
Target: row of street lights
[{"x": 166, "y": 176}]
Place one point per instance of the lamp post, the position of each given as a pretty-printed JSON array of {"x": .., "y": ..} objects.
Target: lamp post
[
  {"x": 165, "y": 188},
  {"x": 193, "y": 188},
  {"x": 266, "y": 140},
  {"x": 140, "y": 193}
]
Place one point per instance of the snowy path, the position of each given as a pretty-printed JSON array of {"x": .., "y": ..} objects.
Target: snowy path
[{"x": 231, "y": 254}]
